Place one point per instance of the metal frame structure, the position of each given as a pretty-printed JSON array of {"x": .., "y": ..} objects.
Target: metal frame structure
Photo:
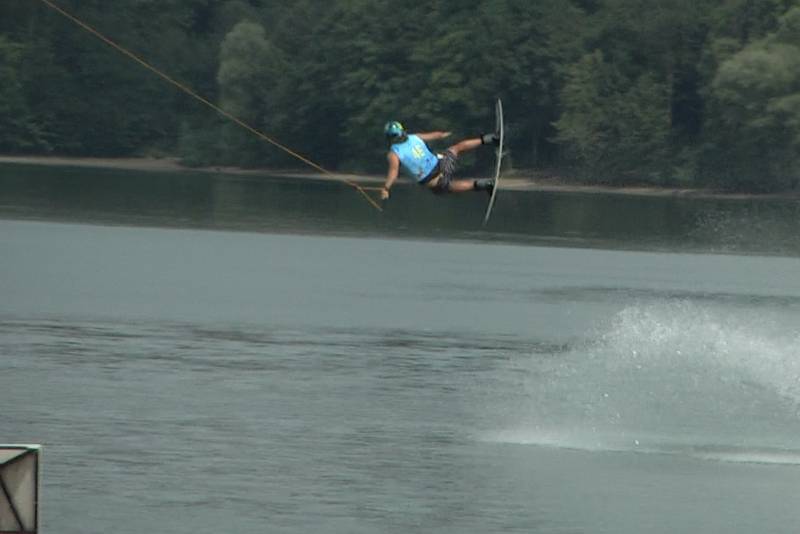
[{"x": 22, "y": 522}]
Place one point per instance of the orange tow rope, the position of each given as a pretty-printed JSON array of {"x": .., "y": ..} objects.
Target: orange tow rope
[{"x": 205, "y": 101}]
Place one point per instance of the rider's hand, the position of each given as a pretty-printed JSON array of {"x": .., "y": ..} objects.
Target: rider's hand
[{"x": 384, "y": 194}]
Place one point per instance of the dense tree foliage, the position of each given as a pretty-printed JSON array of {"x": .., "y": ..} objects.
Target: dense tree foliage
[{"x": 676, "y": 92}]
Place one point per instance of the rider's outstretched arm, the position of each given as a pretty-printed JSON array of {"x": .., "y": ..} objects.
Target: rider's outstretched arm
[{"x": 433, "y": 136}]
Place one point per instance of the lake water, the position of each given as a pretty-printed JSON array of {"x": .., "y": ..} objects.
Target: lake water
[{"x": 203, "y": 353}]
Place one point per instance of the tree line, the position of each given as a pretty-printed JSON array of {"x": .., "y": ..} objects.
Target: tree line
[{"x": 694, "y": 93}]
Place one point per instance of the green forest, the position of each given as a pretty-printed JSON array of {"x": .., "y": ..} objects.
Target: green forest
[{"x": 681, "y": 93}]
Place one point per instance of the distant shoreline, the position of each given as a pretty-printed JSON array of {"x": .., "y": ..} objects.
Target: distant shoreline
[{"x": 517, "y": 182}]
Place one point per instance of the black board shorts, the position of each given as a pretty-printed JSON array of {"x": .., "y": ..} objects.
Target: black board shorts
[{"x": 445, "y": 169}]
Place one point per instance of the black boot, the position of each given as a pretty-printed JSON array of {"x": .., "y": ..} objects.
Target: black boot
[
  {"x": 484, "y": 184},
  {"x": 490, "y": 139}
]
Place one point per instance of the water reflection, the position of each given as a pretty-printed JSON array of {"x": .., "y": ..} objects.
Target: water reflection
[{"x": 282, "y": 204}]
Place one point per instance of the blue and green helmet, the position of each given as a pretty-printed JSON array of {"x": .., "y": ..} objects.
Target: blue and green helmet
[{"x": 394, "y": 129}]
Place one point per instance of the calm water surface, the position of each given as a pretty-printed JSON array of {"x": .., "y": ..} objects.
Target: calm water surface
[{"x": 585, "y": 365}]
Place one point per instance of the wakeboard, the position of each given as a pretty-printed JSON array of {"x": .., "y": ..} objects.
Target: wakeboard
[{"x": 498, "y": 112}]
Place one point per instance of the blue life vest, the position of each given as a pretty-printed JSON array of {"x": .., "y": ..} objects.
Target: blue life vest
[{"x": 415, "y": 157}]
